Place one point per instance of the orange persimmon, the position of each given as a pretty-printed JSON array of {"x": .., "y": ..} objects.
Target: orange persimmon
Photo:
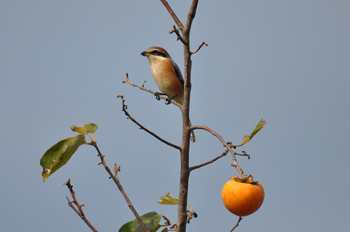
[{"x": 242, "y": 197}]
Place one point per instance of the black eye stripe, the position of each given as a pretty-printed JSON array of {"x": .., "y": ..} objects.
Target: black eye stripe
[{"x": 158, "y": 53}]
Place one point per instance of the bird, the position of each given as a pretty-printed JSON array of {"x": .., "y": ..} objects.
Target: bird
[{"x": 167, "y": 76}]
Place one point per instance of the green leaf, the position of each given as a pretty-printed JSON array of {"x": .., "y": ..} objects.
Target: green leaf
[
  {"x": 165, "y": 229},
  {"x": 258, "y": 127},
  {"x": 59, "y": 154},
  {"x": 85, "y": 129},
  {"x": 91, "y": 128},
  {"x": 80, "y": 130},
  {"x": 168, "y": 200},
  {"x": 151, "y": 220}
]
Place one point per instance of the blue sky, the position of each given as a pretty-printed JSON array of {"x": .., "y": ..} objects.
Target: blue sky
[{"x": 63, "y": 63}]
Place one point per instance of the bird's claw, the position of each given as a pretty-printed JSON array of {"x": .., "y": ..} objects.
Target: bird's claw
[
  {"x": 168, "y": 100},
  {"x": 157, "y": 95}
]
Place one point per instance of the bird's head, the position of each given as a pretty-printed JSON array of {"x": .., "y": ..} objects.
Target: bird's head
[{"x": 154, "y": 53}]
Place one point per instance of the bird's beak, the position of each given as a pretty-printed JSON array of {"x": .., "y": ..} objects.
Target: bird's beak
[{"x": 144, "y": 53}]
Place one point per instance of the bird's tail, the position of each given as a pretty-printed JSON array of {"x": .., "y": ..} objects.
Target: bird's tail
[{"x": 193, "y": 137}]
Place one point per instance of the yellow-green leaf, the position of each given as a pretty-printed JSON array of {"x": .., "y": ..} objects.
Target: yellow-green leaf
[
  {"x": 168, "y": 200},
  {"x": 246, "y": 139},
  {"x": 91, "y": 127},
  {"x": 59, "y": 154},
  {"x": 80, "y": 130},
  {"x": 151, "y": 220},
  {"x": 257, "y": 128},
  {"x": 85, "y": 129}
]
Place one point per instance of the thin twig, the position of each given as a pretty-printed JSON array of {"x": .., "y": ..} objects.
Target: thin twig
[
  {"x": 216, "y": 158},
  {"x": 210, "y": 161},
  {"x": 234, "y": 146},
  {"x": 168, "y": 223},
  {"x": 179, "y": 37},
  {"x": 200, "y": 46},
  {"x": 148, "y": 90},
  {"x": 243, "y": 154},
  {"x": 240, "y": 171},
  {"x": 237, "y": 224},
  {"x": 120, "y": 187},
  {"x": 124, "y": 107},
  {"x": 79, "y": 209},
  {"x": 172, "y": 14}
]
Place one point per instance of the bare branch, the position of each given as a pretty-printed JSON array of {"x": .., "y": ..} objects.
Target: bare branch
[
  {"x": 185, "y": 146},
  {"x": 117, "y": 182},
  {"x": 237, "y": 224},
  {"x": 148, "y": 90},
  {"x": 200, "y": 46},
  {"x": 79, "y": 209},
  {"x": 225, "y": 145},
  {"x": 243, "y": 154},
  {"x": 234, "y": 146},
  {"x": 172, "y": 14},
  {"x": 190, "y": 16},
  {"x": 179, "y": 37},
  {"x": 210, "y": 161},
  {"x": 124, "y": 107}
]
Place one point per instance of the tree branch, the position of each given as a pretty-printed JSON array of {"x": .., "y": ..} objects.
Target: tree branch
[
  {"x": 186, "y": 130},
  {"x": 240, "y": 171},
  {"x": 179, "y": 37},
  {"x": 148, "y": 90},
  {"x": 237, "y": 224},
  {"x": 200, "y": 46},
  {"x": 79, "y": 209},
  {"x": 117, "y": 182},
  {"x": 124, "y": 107},
  {"x": 190, "y": 16},
  {"x": 210, "y": 161},
  {"x": 172, "y": 14}
]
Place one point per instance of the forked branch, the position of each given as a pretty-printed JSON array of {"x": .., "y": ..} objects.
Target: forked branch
[
  {"x": 185, "y": 146},
  {"x": 117, "y": 182},
  {"x": 179, "y": 37},
  {"x": 79, "y": 209},
  {"x": 233, "y": 153}
]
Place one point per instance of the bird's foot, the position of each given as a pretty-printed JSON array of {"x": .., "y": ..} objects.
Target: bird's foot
[
  {"x": 157, "y": 95},
  {"x": 168, "y": 100}
]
